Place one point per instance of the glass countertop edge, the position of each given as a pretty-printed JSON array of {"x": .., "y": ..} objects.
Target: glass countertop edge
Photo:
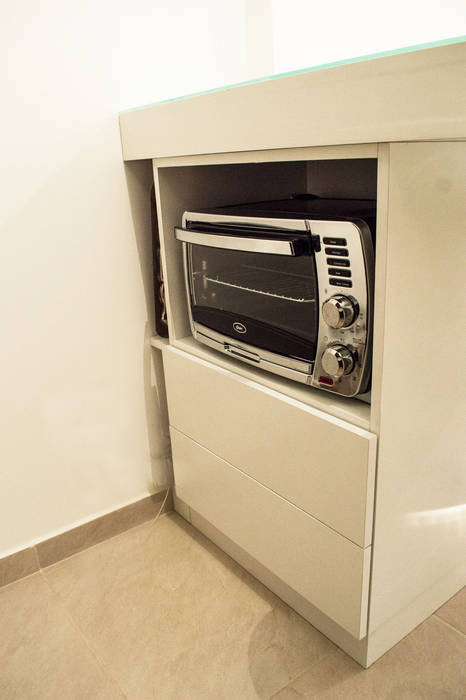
[{"x": 299, "y": 71}]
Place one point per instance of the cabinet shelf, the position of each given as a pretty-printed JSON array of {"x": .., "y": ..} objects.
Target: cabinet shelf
[
  {"x": 158, "y": 342},
  {"x": 353, "y": 411}
]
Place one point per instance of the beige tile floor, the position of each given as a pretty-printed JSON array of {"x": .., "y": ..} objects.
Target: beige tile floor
[{"x": 159, "y": 612}]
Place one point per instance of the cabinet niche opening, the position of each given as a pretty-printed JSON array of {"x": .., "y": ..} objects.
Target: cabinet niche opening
[{"x": 189, "y": 187}]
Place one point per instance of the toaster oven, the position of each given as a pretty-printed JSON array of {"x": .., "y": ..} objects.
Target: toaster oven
[{"x": 286, "y": 286}]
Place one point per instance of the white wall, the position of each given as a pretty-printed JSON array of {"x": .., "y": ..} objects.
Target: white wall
[
  {"x": 73, "y": 415},
  {"x": 76, "y": 395},
  {"x": 310, "y": 33}
]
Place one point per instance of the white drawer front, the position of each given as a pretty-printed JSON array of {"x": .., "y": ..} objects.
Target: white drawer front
[
  {"x": 328, "y": 570},
  {"x": 320, "y": 463}
]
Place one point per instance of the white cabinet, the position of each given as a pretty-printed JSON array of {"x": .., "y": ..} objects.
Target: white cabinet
[
  {"x": 311, "y": 491},
  {"x": 420, "y": 528}
]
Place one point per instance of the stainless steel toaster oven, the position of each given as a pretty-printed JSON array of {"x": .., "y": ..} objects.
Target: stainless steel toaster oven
[{"x": 286, "y": 286}]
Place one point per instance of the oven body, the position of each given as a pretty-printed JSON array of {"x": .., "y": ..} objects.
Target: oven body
[{"x": 283, "y": 290}]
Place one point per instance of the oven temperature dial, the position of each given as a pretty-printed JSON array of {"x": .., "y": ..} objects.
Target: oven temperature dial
[
  {"x": 339, "y": 311},
  {"x": 337, "y": 360}
]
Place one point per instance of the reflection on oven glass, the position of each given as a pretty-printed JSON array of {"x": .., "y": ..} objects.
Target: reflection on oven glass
[{"x": 278, "y": 290}]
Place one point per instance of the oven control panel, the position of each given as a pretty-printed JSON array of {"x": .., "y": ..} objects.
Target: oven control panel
[{"x": 345, "y": 278}]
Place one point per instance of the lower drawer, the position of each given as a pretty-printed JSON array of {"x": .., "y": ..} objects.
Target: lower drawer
[{"x": 327, "y": 569}]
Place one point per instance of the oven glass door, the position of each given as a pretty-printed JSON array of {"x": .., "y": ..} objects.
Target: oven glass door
[{"x": 265, "y": 300}]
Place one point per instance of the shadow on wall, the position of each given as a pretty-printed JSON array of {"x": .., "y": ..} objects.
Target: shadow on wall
[{"x": 139, "y": 181}]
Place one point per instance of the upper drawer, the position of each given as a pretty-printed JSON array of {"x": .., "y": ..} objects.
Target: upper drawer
[{"x": 320, "y": 463}]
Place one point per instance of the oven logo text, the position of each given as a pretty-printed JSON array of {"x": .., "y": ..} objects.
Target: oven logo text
[{"x": 239, "y": 327}]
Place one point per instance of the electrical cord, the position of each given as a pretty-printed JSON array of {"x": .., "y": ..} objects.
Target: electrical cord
[{"x": 162, "y": 506}]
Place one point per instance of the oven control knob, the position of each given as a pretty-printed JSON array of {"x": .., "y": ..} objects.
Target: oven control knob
[
  {"x": 339, "y": 311},
  {"x": 337, "y": 361}
]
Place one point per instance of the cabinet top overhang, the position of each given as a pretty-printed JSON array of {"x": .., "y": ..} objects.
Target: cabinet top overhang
[{"x": 415, "y": 96}]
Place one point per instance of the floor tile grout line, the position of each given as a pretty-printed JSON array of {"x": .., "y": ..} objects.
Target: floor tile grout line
[
  {"x": 100, "y": 662},
  {"x": 34, "y": 545},
  {"x": 150, "y": 521},
  {"x": 40, "y": 568},
  {"x": 448, "y": 624},
  {"x": 293, "y": 680},
  {"x": 96, "y": 544},
  {"x": 17, "y": 580}
]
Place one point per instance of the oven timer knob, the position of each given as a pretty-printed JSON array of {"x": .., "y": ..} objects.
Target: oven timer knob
[
  {"x": 339, "y": 311},
  {"x": 337, "y": 361}
]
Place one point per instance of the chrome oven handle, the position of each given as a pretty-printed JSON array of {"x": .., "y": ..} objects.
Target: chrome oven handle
[{"x": 247, "y": 244}]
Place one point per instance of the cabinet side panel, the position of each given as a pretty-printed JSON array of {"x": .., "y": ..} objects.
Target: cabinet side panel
[
  {"x": 421, "y": 478},
  {"x": 383, "y": 168}
]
